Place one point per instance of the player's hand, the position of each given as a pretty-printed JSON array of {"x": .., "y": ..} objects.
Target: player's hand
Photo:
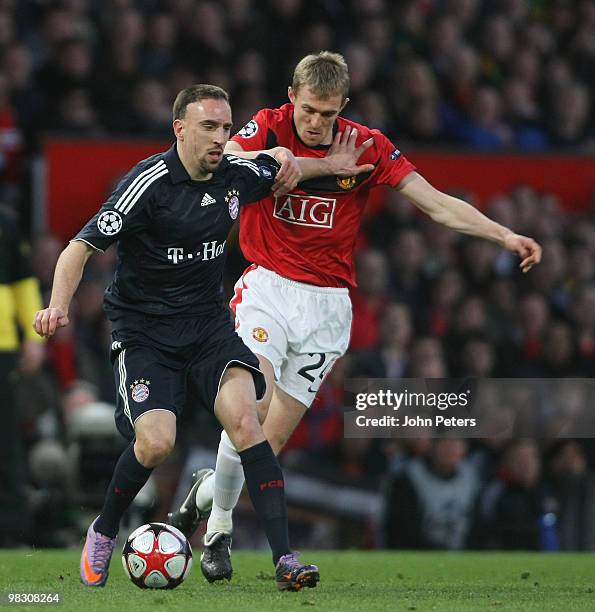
[
  {"x": 289, "y": 175},
  {"x": 48, "y": 320},
  {"x": 344, "y": 155},
  {"x": 526, "y": 248}
]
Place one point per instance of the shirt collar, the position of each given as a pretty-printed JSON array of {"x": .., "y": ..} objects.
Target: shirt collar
[{"x": 177, "y": 172}]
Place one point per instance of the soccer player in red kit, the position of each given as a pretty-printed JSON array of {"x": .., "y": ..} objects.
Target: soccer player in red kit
[{"x": 292, "y": 304}]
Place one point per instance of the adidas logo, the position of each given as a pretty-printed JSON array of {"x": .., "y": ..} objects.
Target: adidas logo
[{"x": 207, "y": 200}]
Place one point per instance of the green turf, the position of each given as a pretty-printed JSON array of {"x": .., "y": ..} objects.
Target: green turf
[{"x": 351, "y": 580}]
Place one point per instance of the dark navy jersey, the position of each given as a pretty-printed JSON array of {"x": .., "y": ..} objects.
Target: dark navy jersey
[{"x": 171, "y": 231}]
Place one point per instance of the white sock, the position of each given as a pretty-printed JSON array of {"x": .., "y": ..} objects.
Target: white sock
[
  {"x": 229, "y": 480},
  {"x": 204, "y": 493}
]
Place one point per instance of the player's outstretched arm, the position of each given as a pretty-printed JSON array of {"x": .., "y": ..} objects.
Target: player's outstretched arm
[
  {"x": 341, "y": 160},
  {"x": 290, "y": 173},
  {"x": 67, "y": 277},
  {"x": 462, "y": 217}
]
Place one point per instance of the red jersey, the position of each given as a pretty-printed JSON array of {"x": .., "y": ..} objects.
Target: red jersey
[{"x": 309, "y": 235}]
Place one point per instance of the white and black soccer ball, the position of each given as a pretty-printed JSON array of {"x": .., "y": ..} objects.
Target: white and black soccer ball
[
  {"x": 157, "y": 556},
  {"x": 109, "y": 222}
]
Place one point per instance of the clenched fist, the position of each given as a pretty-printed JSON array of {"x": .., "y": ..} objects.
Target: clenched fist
[{"x": 48, "y": 320}]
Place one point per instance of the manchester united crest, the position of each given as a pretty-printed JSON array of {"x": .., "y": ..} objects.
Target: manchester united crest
[
  {"x": 346, "y": 182},
  {"x": 260, "y": 334},
  {"x": 233, "y": 202}
]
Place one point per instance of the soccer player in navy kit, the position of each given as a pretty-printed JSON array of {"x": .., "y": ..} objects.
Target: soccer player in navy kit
[{"x": 173, "y": 338}]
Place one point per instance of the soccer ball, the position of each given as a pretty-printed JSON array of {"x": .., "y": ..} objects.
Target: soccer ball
[{"x": 157, "y": 556}]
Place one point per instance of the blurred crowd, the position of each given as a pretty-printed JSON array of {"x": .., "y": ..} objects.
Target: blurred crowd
[
  {"x": 479, "y": 74},
  {"x": 485, "y": 74}
]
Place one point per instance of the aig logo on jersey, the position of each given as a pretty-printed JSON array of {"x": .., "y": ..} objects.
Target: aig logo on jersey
[{"x": 311, "y": 211}]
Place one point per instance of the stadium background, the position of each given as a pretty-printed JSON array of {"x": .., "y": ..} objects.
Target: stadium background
[{"x": 492, "y": 97}]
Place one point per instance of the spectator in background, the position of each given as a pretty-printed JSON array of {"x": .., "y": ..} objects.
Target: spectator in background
[
  {"x": 559, "y": 357},
  {"x": 479, "y": 357},
  {"x": 19, "y": 300},
  {"x": 151, "y": 111},
  {"x": 523, "y": 114},
  {"x": 11, "y": 146},
  {"x": 158, "y": 53},
  {"x": 430, "y": 501},
  {"x": 498, "y": 48},
  {"x": 395, "y": 214},
  {"x": 369, "y": 299},
  {"x": 512, "y": 504},
  {"x": 46, "y": 249},
  {"x": 408, "y": 257},
  {"x": 486, "y": 129},
  {"x": 389, "y": 358},
  {"x": 70, "y": 67},
  {"x": 532, "y": 321},
  {"x": 426, "y": 359},
  {"x": 583, "y": 315},
  {"x": 446, "y": 294},
  {"x": 76, "y": 115},
  {"x": 569, "y": 120},
  {"x": 574, "y": 485},
  {"x": 461, "y": 76}
]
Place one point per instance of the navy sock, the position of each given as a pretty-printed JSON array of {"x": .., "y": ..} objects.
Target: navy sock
[
  {"x": 128, "y": 479},
  {"x": 266, "y": 487}
]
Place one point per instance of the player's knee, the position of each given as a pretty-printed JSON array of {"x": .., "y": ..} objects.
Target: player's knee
[
  {"x": 244, "y": 430},
  {"x": 154, "y": 450}
]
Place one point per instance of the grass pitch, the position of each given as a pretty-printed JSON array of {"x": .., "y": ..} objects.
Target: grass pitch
[{"x": 351, "y": 580}]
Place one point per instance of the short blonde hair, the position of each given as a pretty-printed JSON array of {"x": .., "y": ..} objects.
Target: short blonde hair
[{"x": 325, "y": 73}]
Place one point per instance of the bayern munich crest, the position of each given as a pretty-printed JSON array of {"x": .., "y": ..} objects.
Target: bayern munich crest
[
  {"x": 140, "y": 390},
  {"x": 233, "y": 201}
]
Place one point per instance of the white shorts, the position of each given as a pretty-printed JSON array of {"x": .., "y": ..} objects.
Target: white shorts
[{"x": 301, "y": 329}]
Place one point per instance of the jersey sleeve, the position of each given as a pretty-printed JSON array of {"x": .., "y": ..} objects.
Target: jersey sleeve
[
  {"x": 391, "y": 165},
  {"x": 254, "y": 177},
  {"x": 253, "y": 136},
  {"x": 125, "y": 211}
]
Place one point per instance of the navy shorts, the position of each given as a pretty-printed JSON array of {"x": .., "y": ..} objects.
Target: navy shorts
[{"x": 174, "y": 363}]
